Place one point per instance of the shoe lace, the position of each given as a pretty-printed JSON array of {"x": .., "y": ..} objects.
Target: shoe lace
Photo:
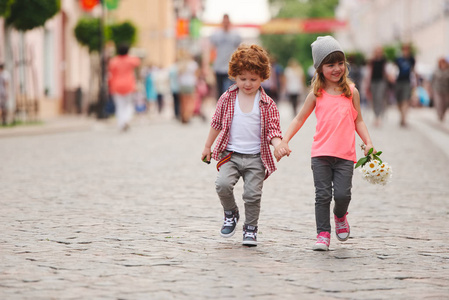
[
  {"x": 322, "y": 239},
  {"x": 250, "y": 234},
  {"x": 341, "y": 225},
  {"x": 229, "y": 221}
]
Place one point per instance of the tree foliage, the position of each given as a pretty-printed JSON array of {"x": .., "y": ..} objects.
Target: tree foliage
[
  {"x": 28, "y": 14},
  {"x": 285, "y": 46},
  {"x": 4, "y": 7},
  {"x": 123, "y": 33},
  {"x": 87, "y": 33}
]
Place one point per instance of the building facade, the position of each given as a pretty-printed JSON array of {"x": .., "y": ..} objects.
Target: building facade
[
  {"x": 51, "y": 71},
  {"x": 388, "y": 22}
]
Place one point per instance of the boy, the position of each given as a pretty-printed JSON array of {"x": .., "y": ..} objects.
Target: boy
[{"x": 246, "y": 122}]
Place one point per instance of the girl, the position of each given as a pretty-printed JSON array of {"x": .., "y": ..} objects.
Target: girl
[{"x": 337, "y": 108}]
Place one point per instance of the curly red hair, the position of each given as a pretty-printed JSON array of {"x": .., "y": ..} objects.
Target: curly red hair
[{"x": 251, "y": 58}]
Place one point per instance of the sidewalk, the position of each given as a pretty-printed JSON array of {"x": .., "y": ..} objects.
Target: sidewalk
[{"x": 56, "y": 125}]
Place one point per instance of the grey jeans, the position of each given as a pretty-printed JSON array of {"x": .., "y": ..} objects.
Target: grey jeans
[
  {"x": 378, "y": 91},
  {"x": 252, "y": 170},
  {"x": 332, "y": 176}
]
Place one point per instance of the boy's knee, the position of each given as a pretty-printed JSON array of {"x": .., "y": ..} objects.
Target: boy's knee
[
  {"x": 223, "y": 187},
  {"x": 252, "y": 197}
]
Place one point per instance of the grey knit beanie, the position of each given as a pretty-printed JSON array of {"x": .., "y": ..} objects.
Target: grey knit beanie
[{"x": 322, "y": 47}]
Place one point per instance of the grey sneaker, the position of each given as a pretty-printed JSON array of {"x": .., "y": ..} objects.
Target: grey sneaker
[
  {"x": 249, "y": 235},
  {"x": 230, "y": 223}
]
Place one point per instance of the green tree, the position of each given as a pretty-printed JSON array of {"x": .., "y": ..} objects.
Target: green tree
[
  {"x": 123, "y": 33},
  {"x": 25, "y": 15},
  {"x": 87, "y": 33},
  {"x": 285, "y": 46},
  {"x": 4, "y": 7}
]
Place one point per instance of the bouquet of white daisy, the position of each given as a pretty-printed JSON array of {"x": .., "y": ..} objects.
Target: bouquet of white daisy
[{"x": 373, "y": 169}]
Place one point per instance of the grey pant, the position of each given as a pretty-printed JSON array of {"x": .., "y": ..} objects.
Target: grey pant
[
  {"x": 331, "y": 174},
  {"x": 403, "y": 91},
  {"x": 252, "y": 170},
  {"x": 378, "y": 91},
  {"x": 441, "y": 104}
]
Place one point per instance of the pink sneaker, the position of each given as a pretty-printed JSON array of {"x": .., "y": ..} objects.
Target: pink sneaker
[
  {"x": 342, "y": 228},
  {"x": 323, "y": 240}
]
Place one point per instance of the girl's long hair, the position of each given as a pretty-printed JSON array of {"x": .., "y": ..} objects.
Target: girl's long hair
[{"x": 318, "y": 81}]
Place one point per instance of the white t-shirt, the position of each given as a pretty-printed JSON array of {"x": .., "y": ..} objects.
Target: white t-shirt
[
  {"x": 225, "y": 43},
  {"x": 245, "y": 129},
  {"x": 187, "y": 74},
  {"x": 293, "y": 81}
]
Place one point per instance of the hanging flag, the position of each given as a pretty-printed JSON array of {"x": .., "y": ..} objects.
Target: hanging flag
[
  {"x": 88, "y": 5},
  {"x": 195, "y": 28},
  {"x": 111, "y": 4},
  {"x": 182, "y": 28}
]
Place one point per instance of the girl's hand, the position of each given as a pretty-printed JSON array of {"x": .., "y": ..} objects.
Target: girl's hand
[
  {"x": 282, "y": 150},
  {"x": 367, "y": 147}
]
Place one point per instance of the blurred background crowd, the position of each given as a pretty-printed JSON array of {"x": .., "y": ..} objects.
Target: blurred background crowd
[{"x": 56, "y": 55}]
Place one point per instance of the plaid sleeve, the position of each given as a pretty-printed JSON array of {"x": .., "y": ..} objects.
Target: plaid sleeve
[
  {"x": 274, "y": 125},
  {"x": 217, "y": 119}
]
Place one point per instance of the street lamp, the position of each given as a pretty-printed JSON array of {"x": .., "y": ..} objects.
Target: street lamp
[{"x": 102, "y": 94}]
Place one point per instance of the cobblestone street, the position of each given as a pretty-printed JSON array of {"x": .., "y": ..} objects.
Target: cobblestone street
[{"x": 98, "y": 214}]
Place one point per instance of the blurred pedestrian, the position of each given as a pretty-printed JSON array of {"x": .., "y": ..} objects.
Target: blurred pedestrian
[
  {"x": 355, "y": 69},
  {"x": 201, "y": 91},
  {"x": 188, "y": 70},
  {"x": 440, "y": 87},
  {"x": 272, "y": 85},
  {"x": 162, "y": 84},
  {"x": 225, "y": 41},
  {"x": 336, "y": 102},
  {"x": 294, "y": 83},
  {"x": 378, "y": 81},
  {"x": 174, "y": 88},
  {"x": 150, "y": 88},
  {"x": 403, "y": 84},
  {"x": 4, "y": 94},
  {"x": 246, "y": 122},
  {"x": 123, "y": 85}
]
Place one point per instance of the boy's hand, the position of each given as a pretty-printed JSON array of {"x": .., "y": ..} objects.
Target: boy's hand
[
  {"x": 282, "y": 150},
  {"x": 205, "y": 155}
]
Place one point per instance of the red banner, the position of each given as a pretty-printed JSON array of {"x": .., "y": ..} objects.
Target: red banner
[
  {"x": 285, "y": 26},
  {"x": 322, "y": 25}
]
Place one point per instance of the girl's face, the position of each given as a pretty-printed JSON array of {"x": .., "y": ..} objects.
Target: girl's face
[
  {"x": 248, "y": 82},
  {"x": 334, "y": 71}
]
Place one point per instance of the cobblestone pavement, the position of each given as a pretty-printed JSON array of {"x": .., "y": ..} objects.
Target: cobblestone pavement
[{"x": 95, "y": 214}]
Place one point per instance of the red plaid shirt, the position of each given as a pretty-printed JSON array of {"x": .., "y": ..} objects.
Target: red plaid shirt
[{"x": 269, "y": 122}]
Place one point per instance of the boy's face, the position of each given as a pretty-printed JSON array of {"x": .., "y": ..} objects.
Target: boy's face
[{"x": 248, "y": 82}]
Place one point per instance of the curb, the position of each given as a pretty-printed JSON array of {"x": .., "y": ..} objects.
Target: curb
[{"x": 54, "y": 126}]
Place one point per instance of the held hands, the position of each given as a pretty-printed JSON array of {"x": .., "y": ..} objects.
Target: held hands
[{"x": 282, "y": 150}]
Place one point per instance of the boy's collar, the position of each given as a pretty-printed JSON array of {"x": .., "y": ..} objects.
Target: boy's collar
[{"x": 263, "y": 95}]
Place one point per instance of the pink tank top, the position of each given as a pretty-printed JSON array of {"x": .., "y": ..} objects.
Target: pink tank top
[{"x": 335, "y": 128}]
